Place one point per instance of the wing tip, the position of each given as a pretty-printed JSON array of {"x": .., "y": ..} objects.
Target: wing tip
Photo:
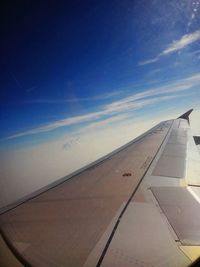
[{"x": 186, "y": 115}]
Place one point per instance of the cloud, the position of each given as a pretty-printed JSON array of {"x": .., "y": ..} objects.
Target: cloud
[
  {"x": 146, "y": 62},
  {"x": 154, "y": 72},
  {"x": 185, "y": 40},
  {"x": 30, "y": 89},
  {"x": 105, "y": 122},
  {"x": 126, "y": 104},
  {"x": 178, "y": 86},
  {"x": 176, "y": 45},
  {"x": 196, "y": 52},
  {"x": 75, "y": 99},
  {"x": 109, "y": 110},
  {"x": 58, "y": 124},
  {"x": 74, "y": 138}
]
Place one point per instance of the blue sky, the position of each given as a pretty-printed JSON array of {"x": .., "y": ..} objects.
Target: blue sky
[{"x": 69, "y": 65}]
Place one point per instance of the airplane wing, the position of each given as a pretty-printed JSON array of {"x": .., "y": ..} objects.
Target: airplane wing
[{"x": 138, "y": 206}]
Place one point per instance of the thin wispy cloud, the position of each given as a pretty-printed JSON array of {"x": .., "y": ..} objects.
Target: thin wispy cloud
[
  {"x": 196, "y": 52},
  {"x": 186, "y": 40},
  {"x": 109, "y": 110},
  {"x": 154, "y": 72},
  {"x": 74, "y": 99},
  {"x": 60, "y": 123},
  {"x": 175, "y": 87},
  {"x": 175, "y": 46},
  {"x": 31, "y": 89},
  {"x": 75, "y": 138},
  {"x": 133, "y": 102},
  {"x": 19, "y": 84},
  {"x": 146, "y": 62},
  {"x": 105, "y": 122}
]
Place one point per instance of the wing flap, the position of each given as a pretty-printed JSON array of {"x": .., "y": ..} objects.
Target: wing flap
[
  {"x": 182, "y": 210},
  {"x": 142, "y": 239}
]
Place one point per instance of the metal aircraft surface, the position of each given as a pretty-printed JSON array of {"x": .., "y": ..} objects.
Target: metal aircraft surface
[{"x": 138, "y": 206}]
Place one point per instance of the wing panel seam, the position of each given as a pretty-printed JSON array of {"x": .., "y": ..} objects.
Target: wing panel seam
[{"x": 128, "y": 202}]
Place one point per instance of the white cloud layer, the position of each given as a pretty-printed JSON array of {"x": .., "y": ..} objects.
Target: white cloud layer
[
  {"x": 176, "y": 45},
  {"x": 127, "y": 104}
]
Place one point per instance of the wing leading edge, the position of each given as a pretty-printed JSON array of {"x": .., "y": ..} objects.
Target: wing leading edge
[{"x": 101, "y": 217}]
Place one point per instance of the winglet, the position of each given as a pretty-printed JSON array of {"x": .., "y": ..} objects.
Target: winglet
[{"x": 186, "y": 115}]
